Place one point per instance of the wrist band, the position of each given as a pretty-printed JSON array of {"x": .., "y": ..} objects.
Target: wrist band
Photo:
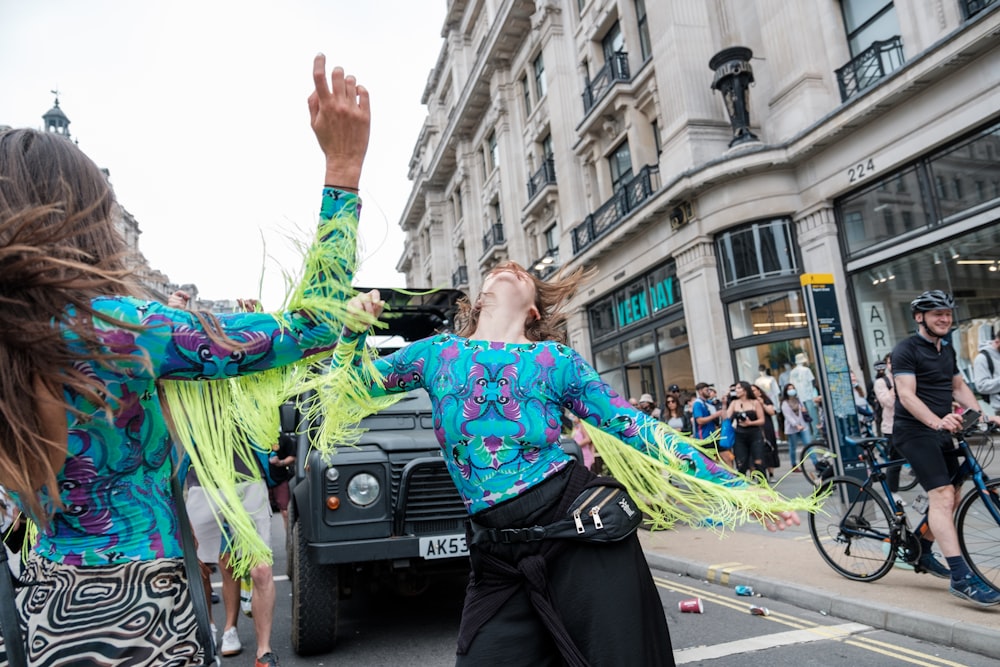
[{"x": 341, "y": 187}]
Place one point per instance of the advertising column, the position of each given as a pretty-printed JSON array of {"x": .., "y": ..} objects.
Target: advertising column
[{"x": 833, "y": 372}]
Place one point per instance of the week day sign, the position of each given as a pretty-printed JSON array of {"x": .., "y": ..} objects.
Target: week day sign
[{"x": 645, "y": 297}]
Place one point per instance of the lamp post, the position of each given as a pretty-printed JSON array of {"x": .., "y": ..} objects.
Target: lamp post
[{"x": 733, "y": 75}]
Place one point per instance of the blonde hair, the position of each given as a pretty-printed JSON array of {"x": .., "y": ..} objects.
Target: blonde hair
[{"x": 550, "y": 297}]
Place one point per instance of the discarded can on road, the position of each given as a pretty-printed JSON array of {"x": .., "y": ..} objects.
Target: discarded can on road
[
  {"x": 760, "y": 611},
  {"x": 744, "y": 590},
  {"x": 691, "y": 606}
]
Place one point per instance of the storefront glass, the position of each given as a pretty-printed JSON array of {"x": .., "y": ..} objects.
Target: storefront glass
[
  {"x": 756, "y": 251},
  {"x": 639, "y": 336},
  {"x": 968, "y": 266},
  {"x": 767, "y": 313}
]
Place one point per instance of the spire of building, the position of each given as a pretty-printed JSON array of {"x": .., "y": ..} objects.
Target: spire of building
[{"x": 55, "y": 120}]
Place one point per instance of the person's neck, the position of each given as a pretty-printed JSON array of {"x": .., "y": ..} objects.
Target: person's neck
[{"x": 500, "y": 325}]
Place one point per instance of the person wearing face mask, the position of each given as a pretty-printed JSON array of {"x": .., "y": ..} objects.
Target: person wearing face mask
[{"x": 796, "y": 428}]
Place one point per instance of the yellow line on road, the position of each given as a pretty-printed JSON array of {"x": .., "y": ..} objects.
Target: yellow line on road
[
  {"x": 724, "y": 570},
  {"x": 894, "y": 650},
  {"x": 845, "y": 633}
]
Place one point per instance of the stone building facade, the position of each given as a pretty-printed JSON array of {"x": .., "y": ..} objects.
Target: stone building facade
[{"x": 703, "y": 156}]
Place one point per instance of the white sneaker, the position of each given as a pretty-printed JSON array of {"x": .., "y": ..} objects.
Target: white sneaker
[
  {"x": 231, "y": 642},
  {"x": 215, "y": 634}
]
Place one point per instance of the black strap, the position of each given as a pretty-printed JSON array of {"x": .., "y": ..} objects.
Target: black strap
[
  {"x": 194, "y": 577},
  {"x": 10, "y": 626}
]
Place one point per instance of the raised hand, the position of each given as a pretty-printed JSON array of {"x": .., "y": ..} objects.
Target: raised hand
[
  {"x": 340, "y": 116},
  {"x": 364, "y": 308},
  {"x": 179, "y": 299}
]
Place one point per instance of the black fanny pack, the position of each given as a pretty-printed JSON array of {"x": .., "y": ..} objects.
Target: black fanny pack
[{"x": 601, "y": 513}]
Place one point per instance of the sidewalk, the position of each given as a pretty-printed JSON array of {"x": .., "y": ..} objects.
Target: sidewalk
[{"x": 786, "y": 566}]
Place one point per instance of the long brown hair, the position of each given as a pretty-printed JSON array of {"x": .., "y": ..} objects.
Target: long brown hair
[
  {"x": 550, "y": 297},
  {"x": 59, "y": 249}
]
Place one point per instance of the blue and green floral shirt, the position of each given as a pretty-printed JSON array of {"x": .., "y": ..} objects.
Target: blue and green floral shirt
[
  {"x": 497, "y": 410},
  {"x": 115, "y": 484}
]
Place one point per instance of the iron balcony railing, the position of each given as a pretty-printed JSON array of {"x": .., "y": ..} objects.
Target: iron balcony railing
[
  {"x": 610, "y": 214},
  {"x": 870, "y": 66},
  {"x": 460, "y": 277},
  {"x": 972, "y": 7},
  {"x": 614, "y": 70},
  {"x": 544, "y": 176},
  {"x": 493, "y": 237}
]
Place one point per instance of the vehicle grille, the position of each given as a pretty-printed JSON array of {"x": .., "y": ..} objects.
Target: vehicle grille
[{"x": 432, "y": 505}]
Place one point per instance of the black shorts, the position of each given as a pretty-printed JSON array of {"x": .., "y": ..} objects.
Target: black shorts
[{"x": 926, "y": 451}]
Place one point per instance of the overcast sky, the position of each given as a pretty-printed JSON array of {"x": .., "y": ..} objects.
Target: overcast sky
[{"x": 198, "y": 109}]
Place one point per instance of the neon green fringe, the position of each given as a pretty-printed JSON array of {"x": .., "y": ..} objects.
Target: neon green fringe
[
  {"x": 215, "y": 421},
  {"x": 665, "y": 489}
]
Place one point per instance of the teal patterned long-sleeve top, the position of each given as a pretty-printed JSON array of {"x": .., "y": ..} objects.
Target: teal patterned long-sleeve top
[
  {"x": 497, "y": 411},
  {"x": 115, "y": 484}
]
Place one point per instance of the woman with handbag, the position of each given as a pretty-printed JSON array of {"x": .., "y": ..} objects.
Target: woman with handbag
[
  {"x": 84, "y": 445},
  {"x": 539, "y": 592},
  {"x": 796, "y": 421}
]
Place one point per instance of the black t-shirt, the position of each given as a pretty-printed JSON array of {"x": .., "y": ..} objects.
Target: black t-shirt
[{"x": 934, "y": 373}]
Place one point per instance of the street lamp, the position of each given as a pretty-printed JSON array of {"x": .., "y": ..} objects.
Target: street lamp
[{"x": 733, "y": 75}]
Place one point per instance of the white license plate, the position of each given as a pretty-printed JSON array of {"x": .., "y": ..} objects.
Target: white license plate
[{"x": 443, "y": 546}]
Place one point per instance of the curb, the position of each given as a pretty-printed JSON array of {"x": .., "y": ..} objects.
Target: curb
[{"x": 949, "y": 632}]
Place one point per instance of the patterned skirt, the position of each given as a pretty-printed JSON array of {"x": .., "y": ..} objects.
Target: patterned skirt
[{"x": 137, "y": 613}]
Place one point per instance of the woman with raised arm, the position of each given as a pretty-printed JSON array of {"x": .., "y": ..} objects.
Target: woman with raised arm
[
  {"x": 558, "y": 574},
  {"x": 84, "y": 446}
]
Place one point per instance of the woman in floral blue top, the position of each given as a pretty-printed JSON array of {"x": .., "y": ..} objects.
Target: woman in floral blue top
[
  {"x": 84, "y": 446},
  {"x": 498, "y": 390}
]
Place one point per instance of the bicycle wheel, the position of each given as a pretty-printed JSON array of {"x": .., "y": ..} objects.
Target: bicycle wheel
[
  {"x": 979, "y": 533},
  {"x": 852, "y": 529},
  {"x": 907, "y": 478},
  {"x": 817, "y": 464}
]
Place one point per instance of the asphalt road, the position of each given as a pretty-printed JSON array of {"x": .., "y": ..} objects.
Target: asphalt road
[{"x": 388, "y": 630}]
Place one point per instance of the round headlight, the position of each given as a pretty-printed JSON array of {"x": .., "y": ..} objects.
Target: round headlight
[
  {"x": 363, "y": 489},
  {"x": 332, "y": 474}
]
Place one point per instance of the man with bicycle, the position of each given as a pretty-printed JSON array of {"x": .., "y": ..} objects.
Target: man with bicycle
[{"x": 925, "y": 369}]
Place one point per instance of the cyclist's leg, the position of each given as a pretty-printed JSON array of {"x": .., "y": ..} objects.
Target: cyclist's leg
[{"x": 924, "y": 449}]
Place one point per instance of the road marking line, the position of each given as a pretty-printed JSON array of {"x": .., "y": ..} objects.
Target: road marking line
[
  {"x": 699, "y": 653},
  {"x": 894, "y": 650},
  {"x": 726, "y": 570}
]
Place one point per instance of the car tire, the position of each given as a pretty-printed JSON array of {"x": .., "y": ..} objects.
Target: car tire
[{"x": 315, "y": 597}]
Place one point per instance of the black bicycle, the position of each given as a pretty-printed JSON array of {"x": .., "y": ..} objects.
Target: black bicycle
[
  {"x": 818, "y": 466},
  {"x": 861, "y": 532}
]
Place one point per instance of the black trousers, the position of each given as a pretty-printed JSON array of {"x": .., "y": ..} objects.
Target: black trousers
[{"x": 602, "y": 593}]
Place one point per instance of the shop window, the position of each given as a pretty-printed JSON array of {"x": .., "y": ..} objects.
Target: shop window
[
  {"x": 764, "y": 314},
  {"x": 675, "y": 368},
  {"x": 609, "y": 357},
  {"x": 639, "y": 347},
  {"x": 757, "y": 251},
  {"x": 663, "y": 288},
  {"x": 778, "y": 356},
  {"x": 962, "y": 165},
  {"x": 879, "y": 216},
  {"x": 602, "y": 319},
  {"x": 672, "y": 335},
  {"x": 967, "y": 266}
]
